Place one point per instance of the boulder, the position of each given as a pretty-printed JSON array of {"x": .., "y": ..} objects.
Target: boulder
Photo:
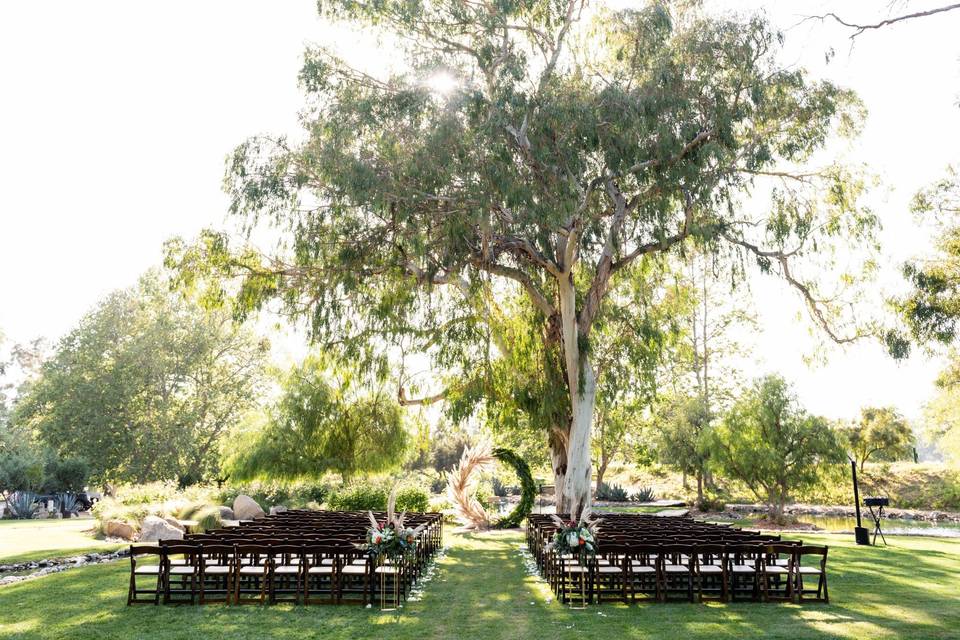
[
  {"x": 173, "y": 522},
  {"x": 226, "y": 513},
  {"x": 119, "y": 529},
  {"x": 246, "y": 508},
  {"x": 155, "y": 529},
  {"x": 277, "y": 509}
]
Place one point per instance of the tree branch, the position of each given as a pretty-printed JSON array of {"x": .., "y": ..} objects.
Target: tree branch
[
  {"x": 860, "y": 28},
  {"x": 814, "y": 305}
]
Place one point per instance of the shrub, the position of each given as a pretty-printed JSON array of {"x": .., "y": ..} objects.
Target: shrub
[
  {"x": 413, "y": 499},
  {"x": 499, "y": 489},
  {"x": 66, "y": 475},
  {"x": 358, "y": 497},
  {"x": 711, "y": 504},
  {"x": 438, "y": 485},
  {"x": 206, "y": 516},
  {"x": 147, "y": 493},
  {"x": 112, "y": 509},
  {"x": 269, "y": 494},
  {"x": 646, "y": 494},
  {"x": 612, "y": 493}
]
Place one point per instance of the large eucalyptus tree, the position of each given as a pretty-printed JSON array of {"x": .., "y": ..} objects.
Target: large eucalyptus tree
[{"x": 569, "y": 142}]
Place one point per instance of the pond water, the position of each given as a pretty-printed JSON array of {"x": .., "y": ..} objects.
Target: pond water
[{"x": 892, "y": 526}]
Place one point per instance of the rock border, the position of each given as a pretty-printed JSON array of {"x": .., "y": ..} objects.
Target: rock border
[{"x": 56, "y": 565}]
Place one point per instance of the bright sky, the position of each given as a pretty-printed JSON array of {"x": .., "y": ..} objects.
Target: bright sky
[{"x": 116, "y": 117}]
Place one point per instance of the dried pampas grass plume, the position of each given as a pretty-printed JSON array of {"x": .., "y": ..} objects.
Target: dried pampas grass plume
[{"x": 462, "y": 485}]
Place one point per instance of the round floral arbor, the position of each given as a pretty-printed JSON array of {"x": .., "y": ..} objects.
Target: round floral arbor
[{"x": 462, "y": 487}]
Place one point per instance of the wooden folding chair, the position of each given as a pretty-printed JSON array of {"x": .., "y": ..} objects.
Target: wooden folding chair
[
  {"x": 251, "y": 573},
  {"x": 181, "y": 572},
  {"x": 154, "y": 571},
  {"x": 818, "y": 571}
]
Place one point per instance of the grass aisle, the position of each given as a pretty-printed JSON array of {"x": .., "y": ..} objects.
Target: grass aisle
[{"x": 483, "y": 591}]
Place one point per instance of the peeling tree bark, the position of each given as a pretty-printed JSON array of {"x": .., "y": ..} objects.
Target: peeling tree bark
[{"x": 581, "y": 381}]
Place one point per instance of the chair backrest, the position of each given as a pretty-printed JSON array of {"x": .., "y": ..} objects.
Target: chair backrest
[
  {"x": 143, "y": 550},
  {"x": 741, "y": 553},
  {"x": 216, "y": 553},
  {"x": 811, "y": 550}
]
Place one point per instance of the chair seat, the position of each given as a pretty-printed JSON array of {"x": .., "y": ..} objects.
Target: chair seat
[
  {"x": 217, "y": 569},
  {"x": 354, "y": 569},
  {"x": 316, "y": 570},
  {"x": 609, "y": 569},
  {"x": 575, "y": 568},
  {"x": 743, "y": 568},
  {"x": 178, "y": 561},
  {"x": 710, "y": 568},
  {"x": 676, "y": 568},
  {"x": 774, "y": 568},
  {"x": 783, "y": 562},
  {"x": 287, "y": 569},
  {"x": 183, "y": 571},
  {"x": 810, "y": 571},
  {"x": 151, "y": 569},
  {"x": 252, "y": 570},
  {"x": 644, "y": 568}
]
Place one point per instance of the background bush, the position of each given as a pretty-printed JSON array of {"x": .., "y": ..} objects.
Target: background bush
[
  {"x": 359, "y": 496},
  {"x": 369, "y": 496},
  {"x": 413, "y": 499},
  {"x": 294, "y": 495}
]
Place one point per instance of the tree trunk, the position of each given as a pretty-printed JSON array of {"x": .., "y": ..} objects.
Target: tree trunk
[
  {"x": 699, "y": 488},
  {"x": 582, "y": 385},
  {"x": 601, "y": 470},
  {"x": 578, "y": 492}
]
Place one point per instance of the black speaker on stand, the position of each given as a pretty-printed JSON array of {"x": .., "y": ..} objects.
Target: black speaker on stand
[{"x": 859, "y": 532}]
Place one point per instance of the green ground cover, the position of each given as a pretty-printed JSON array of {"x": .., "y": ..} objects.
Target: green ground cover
[
  {"x": 25, "y": 540},
  {"x": 483, "y": 591}
]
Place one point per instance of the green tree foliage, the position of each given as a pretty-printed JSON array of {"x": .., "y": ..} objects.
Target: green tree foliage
[
  {"x": 574, "y": 141},
  {"x": 942, "y": 413},
  {"x": 21, "y": 463},
  {"x": 329, "y": 418},
  {"x": 772, "y": 445},
  {"x": 932, "y": 308},
  {"x": 683, "y": 438},
  {"x": 880, "y": 434},
  {"x": 145, "y": 386},
  {"x": 447, "y": 446},
  {"x": 640, "y": 326},
  {"x": 68, "y": 474}
]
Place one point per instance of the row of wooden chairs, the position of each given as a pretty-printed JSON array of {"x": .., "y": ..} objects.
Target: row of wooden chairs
[
  {"x": 657, "y": 558},
  {"x": 306, "y": 558}
]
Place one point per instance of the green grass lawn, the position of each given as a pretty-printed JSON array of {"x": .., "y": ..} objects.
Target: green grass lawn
[
  {"x": 24, "y": 540},
  {"x": 907, "y": 590}
]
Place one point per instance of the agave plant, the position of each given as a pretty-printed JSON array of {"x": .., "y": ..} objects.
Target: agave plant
[
  {"x": 645, "y": 494},
  {"x": 69, "y": 504},
  {"x": 23, "y": 505}
]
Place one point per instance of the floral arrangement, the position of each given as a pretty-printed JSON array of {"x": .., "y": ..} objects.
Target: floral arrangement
[
  {"x": 577, "y": 538},
  {"x": 391, "y": 538}
]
